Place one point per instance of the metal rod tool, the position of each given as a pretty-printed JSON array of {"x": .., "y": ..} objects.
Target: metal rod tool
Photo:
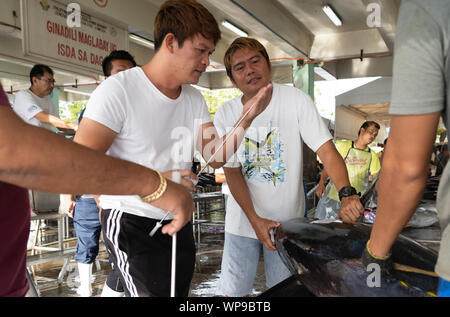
[{"x": 226, "y": 139}]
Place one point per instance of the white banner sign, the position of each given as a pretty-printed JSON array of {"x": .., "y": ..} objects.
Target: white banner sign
[{"x": 64, "y": 33}]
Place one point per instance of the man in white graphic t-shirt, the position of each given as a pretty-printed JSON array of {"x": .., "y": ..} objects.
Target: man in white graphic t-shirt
[
  {"x": 265, "y": 176},
  {"x": 34, "y": 105}
]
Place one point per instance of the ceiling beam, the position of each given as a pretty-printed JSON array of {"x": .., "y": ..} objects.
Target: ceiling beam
[
  {"x": 344, "y": 44},
  {"x": 389, "y": 10},
  {"x": 261, "y": 19},
  {"x": 281, "y": 74},
  {"x": 368, "y": 67}
]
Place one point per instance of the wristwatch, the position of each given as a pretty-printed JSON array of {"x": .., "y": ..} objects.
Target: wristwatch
[{"x": 347, "y": 191}]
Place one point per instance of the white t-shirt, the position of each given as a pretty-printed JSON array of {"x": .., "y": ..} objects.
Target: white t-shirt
[
  {"x": 271, "y": 156},
  {"x": 148, "y": 125},
  {"x": 27, "y": 105}
]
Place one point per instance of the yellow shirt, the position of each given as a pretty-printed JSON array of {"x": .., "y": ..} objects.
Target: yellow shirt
[{"x": 358, "y": 163}]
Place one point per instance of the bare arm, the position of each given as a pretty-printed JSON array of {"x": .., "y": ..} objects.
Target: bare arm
[
  {"x": 321, "y": 186},
  {"x": 34, "y": 158},
  {"x": 403, "y": 176},
  {"x": 24, "y": 161},
  {"x": 94, "y": 135},
  {"x": 334, "y": 165},
  {"x": 99, "y": 137},
  {"x": 239, "y": 189},
  {"x": 45, "y": 117},
  {"x": 210, "y": 142}
]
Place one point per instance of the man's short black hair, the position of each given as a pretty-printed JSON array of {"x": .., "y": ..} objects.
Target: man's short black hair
[
  {"x": 116, "y": 55},
  {"x": 368, "y": 124},
  {"x": 39, "y": 70}
]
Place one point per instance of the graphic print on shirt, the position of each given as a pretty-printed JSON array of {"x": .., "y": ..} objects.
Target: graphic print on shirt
[
  {"x": 357, "y": 161},
  {"x": 262, "y": 153},
  {"x": 33, "y": 108}
]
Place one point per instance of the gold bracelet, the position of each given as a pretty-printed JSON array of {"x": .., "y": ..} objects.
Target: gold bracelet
[
  {"x": 377, "y": 257},
  {"x": 159, "y": 192}
]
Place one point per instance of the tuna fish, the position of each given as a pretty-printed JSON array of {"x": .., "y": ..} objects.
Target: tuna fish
[
  {"x": 424, "y": 217},
  {"x": 326, "y": 259}
]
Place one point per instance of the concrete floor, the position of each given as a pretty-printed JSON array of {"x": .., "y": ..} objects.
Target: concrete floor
[
  {"x": 206, "y": 275},
  {"x": 204, "y": 282}
]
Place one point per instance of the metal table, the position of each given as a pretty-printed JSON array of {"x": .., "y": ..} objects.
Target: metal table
[
  {"x": 54, "y": 253},
  {"x": 197, "y": 221}
]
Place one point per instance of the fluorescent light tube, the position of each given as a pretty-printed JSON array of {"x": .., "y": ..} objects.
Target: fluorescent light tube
[
  {"x": 73, "y": 91},
  {"x": 332, "y": 15},
  {"x": 234, "y": 29},
  {"x": 140, "y": 40}
]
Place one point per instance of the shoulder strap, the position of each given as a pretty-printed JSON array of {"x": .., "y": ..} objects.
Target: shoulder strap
[{"x": 348, "y": 152}]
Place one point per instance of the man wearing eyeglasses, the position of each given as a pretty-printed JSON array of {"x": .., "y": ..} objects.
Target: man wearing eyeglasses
[{"x": 34, "y": 105}]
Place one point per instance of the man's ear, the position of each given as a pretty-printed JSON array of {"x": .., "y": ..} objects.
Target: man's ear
[{"x": 170, "y": 42}]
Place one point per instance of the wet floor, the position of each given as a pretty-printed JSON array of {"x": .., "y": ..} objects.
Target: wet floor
[
  {"x": 204, "y": 282},
  {"x": 207, "y": 270}
]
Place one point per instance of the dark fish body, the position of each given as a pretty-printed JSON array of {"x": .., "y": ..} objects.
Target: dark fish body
[{"x": 326, "y": 258}]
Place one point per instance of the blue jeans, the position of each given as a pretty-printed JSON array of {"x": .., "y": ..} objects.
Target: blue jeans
[
  {"x": 240, "y": 263},
  {"x": 87, "y": 228},
  {"x": 444, "y": 288}
]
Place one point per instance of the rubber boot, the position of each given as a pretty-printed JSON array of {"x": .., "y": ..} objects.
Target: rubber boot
[
  {"x": 108, "y": 292},
  {"x": 85, "y": 272}
]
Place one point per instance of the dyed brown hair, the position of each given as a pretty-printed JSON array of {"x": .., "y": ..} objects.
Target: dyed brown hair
[
  {"x": 244, "y": 42},
  {"x": 184, "y": 19}
]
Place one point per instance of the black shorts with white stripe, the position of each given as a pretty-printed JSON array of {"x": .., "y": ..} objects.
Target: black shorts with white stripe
[{"x": 144, "y": 262}]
